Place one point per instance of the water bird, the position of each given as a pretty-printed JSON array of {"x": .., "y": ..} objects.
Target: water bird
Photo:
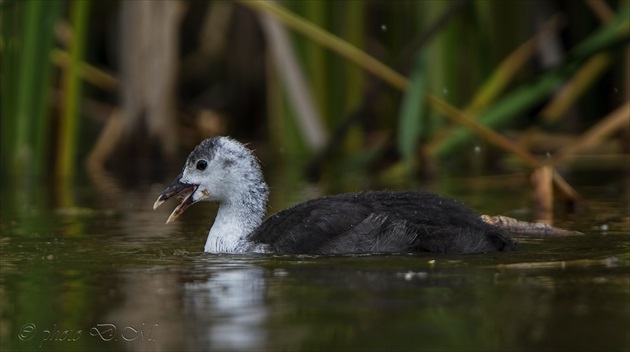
[{"x": 223, "y": 170}]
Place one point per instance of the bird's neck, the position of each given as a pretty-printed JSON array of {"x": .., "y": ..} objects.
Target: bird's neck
[{"x": 235, "y": 221}]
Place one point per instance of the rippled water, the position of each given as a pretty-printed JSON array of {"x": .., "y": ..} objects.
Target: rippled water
[{"x": 99, "y": 270}]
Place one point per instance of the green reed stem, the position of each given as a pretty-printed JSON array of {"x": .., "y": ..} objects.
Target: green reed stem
[{"x": 72, "y": 89}]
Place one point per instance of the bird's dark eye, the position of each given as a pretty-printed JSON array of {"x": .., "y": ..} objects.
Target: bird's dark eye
[{"x": 202, "y": 165}]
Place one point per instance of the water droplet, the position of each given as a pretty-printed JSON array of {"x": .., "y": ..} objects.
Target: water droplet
[
  {"x": 445, "y": 91},
  {"x": 477, "y": 149},
  {"x": 604, "y": 227},
  {"x": 616, "y": 90},
  {"x": 384, "y": 28}
]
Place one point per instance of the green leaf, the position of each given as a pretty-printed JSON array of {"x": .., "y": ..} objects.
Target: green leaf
[{"x": 412, "y": 110}]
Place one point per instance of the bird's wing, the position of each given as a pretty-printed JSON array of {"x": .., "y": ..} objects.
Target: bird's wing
[{"x": 306, "y": 227}]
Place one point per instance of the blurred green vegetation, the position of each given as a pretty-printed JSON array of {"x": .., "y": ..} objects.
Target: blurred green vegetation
[
  {"x": 366, "y": 67},
  {"x": 27, "y": 39}
]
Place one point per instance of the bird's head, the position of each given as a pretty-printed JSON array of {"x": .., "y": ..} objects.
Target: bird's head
[{"x": 216, "y": 170}]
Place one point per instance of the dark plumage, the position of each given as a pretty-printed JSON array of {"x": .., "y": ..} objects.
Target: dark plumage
[{"x": 380, "y": 222}]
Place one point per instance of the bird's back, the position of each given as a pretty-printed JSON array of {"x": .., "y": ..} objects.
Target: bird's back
[{"x": 380, "y": 222}]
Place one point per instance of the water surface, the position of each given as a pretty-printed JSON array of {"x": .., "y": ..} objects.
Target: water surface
[{"x": 99, "y": 270}]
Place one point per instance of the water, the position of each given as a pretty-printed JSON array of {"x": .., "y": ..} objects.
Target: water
[{"x": 103, "y": 272}]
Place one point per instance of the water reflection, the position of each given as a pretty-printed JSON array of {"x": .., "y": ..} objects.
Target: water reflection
[{"x": 227, "y": 310}]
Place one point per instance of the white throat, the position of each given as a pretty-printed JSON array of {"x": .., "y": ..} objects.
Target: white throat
[{"x": 231, "y": 228}]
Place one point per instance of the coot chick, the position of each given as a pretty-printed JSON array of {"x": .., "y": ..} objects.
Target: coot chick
[{"x": 223, "y": 170}]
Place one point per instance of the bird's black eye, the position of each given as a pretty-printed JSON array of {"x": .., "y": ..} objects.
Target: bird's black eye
[{"x": 202, "y": 165}]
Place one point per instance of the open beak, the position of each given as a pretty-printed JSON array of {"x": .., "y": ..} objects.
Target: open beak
[{"x": 177, "y": 189}]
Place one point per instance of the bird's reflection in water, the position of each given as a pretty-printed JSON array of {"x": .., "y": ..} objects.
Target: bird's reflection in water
[{"x": 227, "y": 310}]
